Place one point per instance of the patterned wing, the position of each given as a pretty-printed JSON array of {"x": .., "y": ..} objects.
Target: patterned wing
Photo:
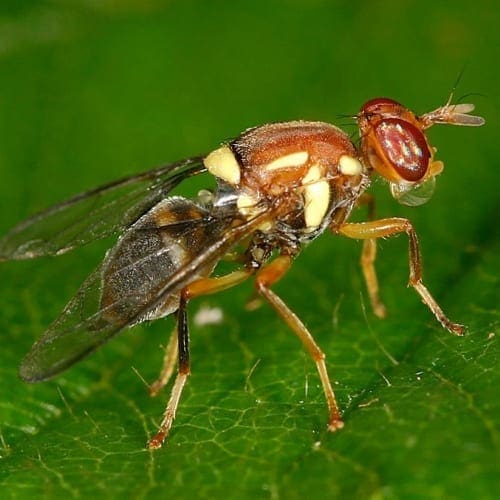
[
  {"x": 94, "y": 214},
  {"x": 140, "y": 279}
]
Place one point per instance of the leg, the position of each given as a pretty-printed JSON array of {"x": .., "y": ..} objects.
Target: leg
[
  {"x": 368, "y": 256},
  {"x": 389, "y": 227},
  {"x": 168, "y": 365},
  {"x": 183, "y": 346},
  {"x": 171, "y": 351},
  {"x": 266, "y": 278},
  {"x": 203, "y": 286}
]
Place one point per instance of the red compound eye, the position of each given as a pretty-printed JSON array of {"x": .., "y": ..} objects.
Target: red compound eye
[
  {"x": 380, "y": 105},
  {"x": 404, "y": 147}
]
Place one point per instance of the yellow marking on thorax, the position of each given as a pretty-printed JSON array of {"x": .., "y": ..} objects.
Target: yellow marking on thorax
[
  {"x": 348, "y": 165},
  {"x": 224, "y": 165},
  {"x": 289, "y": 161},
  {"x": 266, "y": 227},
  {"x": 316, "y": 197},
  {"x": 247, "y": 206},
  {"x": 246, "y": 203}
]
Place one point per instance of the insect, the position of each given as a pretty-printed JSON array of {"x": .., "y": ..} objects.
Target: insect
[{"x": 278, "y": 186}]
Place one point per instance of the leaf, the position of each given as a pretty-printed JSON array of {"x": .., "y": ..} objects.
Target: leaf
[{"x": 93, "y": 91}]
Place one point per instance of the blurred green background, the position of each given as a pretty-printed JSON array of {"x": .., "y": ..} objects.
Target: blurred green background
[{"x": 94, "y": 90}]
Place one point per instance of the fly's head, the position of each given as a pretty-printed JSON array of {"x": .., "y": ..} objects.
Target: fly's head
[{"x": 395, "y": 145}]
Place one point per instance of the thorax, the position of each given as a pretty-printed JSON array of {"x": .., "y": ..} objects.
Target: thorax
[{"x": 305, "y": 174}]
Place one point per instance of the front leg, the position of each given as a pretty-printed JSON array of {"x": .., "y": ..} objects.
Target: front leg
[{"x": 391, "y": 226}]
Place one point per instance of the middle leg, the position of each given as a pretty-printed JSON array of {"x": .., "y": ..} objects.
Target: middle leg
[{"x": 266, "y": 277}]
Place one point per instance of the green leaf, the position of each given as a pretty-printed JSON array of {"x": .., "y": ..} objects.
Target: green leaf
[{"x": 92, "y": 91}]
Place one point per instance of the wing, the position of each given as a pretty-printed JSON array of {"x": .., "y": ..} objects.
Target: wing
[
  {"x": 89, "y": 320},
  {"x": 94, "y": 214}
]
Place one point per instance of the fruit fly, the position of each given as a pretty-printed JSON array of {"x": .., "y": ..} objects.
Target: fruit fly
[{"x": 278, "y": 186}]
